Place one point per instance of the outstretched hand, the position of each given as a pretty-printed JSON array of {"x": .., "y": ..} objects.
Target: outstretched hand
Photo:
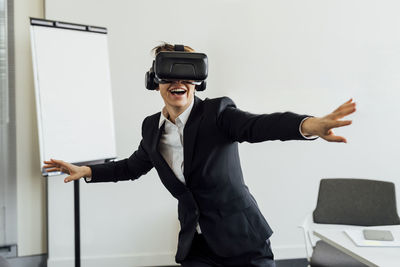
[
  {"x": 75, "y": 172},
  {"x": 323, "y": 126}
]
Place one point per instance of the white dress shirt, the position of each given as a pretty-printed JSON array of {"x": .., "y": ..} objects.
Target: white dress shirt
[{"x": 171, "y": 143}]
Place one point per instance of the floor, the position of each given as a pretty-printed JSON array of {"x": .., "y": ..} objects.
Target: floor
[{"x": 40, "y": 261}]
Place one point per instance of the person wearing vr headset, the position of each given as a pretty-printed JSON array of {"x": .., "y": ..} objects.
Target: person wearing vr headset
[{"x": 193, "y": 145}]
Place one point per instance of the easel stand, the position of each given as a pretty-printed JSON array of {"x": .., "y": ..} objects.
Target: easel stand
[
  {"x": 77, "y": 220},
  {"x": 77, "y": 225}
]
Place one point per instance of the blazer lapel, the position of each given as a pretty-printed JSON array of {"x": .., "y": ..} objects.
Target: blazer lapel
[
  {"x": 189, "y": 136},
  {"x": 167, "y": 176},
  {"x": 156, "y": 138}
]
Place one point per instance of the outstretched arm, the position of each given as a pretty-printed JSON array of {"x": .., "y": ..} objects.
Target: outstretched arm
[
  {"x": 323, "y": 126},
  {"x": 127, "y": 169},
  {"x": 75, "y": 172},
  {"x": 243, "y": 126}
]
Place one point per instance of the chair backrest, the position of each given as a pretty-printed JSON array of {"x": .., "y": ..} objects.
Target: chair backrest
[{"x": 356, "y": 202}]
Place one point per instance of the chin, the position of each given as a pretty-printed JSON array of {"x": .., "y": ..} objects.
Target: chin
[{"x": 180, "y": 104}]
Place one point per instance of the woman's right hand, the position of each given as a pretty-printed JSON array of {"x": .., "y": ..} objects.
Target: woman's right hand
[{"x": 75, "y": 172}]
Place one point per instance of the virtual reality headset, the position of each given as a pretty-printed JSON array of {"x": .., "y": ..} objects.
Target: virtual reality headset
[{"x": 178, "y": 66}]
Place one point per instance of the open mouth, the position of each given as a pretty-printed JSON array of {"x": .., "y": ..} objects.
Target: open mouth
[{"x": 177, "y": 91}]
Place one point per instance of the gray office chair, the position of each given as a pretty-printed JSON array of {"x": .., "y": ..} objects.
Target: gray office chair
[{"x": 352, "y": 202}]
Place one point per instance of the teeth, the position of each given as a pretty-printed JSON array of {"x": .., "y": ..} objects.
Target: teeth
[{"x": 177, "y": 90}]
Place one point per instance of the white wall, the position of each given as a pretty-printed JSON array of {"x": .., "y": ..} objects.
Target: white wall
[
  {"x": 305, "y": 56},
  {"x": 31, "y": 194}
]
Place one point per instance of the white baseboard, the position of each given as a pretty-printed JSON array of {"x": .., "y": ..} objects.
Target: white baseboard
[
  {"x": 281, "y": 252},
  {"x": 117, "y": 260},
  {"x": 289, "y": 252}
]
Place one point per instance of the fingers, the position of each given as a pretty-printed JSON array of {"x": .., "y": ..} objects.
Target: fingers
[
  {"x": 344, "y": 110},
  {"x": 53, "y": 162},
  {"x": 72, "y": 178},
  {"x": 60, "y": 162},
  {"x": 52, "y": 169},
  {"x": 337, "y": 139},
  {"x": 338, "y": 124},
  {"x": 48, "y": 166},
  {"x": 331, "y": 137},
  {"x": 334, "y": 138},
  {"x": 348, "y": 102},
  {"x": 330, "y": 121},
  {"x": 53, "y": 165}
]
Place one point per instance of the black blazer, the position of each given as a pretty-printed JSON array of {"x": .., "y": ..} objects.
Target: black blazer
[{"x": 215, "y": 194}]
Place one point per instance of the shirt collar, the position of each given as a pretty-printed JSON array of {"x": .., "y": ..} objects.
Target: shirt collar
[{"x": 183, "y": 117}]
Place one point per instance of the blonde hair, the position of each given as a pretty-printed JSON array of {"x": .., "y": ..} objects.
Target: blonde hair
[{"x": 169, "y": 47}]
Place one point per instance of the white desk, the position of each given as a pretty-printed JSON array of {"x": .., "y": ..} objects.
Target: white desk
[{"x": 371, "y": 256}]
